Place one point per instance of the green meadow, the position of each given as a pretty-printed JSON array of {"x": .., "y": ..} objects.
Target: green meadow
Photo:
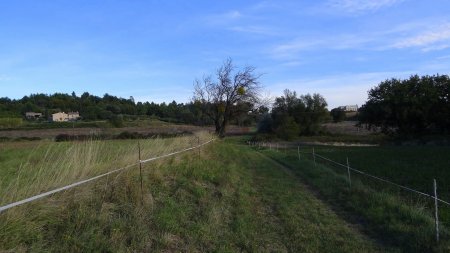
[
  {"x": 225, "y": 198},
  {"x": 397, "y": 217}
]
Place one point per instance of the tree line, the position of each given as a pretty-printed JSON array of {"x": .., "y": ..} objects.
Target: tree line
[
  {"x": 110, "y": 107},
  {"x": 410, "y": 107}
]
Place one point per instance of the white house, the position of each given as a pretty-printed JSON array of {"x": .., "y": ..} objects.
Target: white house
[
  {"x": 62, "y": 116},
  {"x": 349, "y": 108}
]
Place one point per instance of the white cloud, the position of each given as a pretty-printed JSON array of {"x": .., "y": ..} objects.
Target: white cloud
[
  {"x": 360, "y": 6},
  {"x": 292, "y": 63},
  {"x": 436, "y": 38},
  {"x": 254, "y": 29},
  {"x": 232, "y": 15},
  {"x": 224, "y": 18},
  {"x": 290, "y": 49},
  {"x": 425, "y": 35}
]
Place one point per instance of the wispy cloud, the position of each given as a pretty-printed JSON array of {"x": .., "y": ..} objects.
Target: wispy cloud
[
  {"x": 289, "y": 50},
  {"x": 434, "y": 39},
  {"x": 427, "y": 35},
  {"x": 224, "y": 18},
  {"x": 255, "y": 29},
  {"x": 361, "y": 6}
]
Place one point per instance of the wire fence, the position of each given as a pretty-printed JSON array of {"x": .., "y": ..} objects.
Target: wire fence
[
  {"x": 278, "y": 147},
  {"x": 140, "y": 162}
]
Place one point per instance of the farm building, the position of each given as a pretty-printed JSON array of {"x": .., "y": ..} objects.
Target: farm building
[
  {"x": 73, "y": 116},
  {"x": 62, "y": 116},
  {"x": 349, "y": 108},
  {"x": 33, "y": 115}
]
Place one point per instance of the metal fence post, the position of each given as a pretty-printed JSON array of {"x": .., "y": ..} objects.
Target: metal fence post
[
  {"x": 436, "y": 216},
  {"x": 348, "y": 171}
]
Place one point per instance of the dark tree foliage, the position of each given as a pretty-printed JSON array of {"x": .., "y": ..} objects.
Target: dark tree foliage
[
  {"x": 116, "y": 109},
  {"x": 416, "y": 106},
  {"x": 337, "y": 114},
  {"x": 293, "y": 116}
]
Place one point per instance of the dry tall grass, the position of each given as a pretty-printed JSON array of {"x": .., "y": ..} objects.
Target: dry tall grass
[{"x": 54, "y": 165}]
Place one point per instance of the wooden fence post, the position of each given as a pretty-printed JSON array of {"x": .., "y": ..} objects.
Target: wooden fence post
[
  {"x": 298, "y": 152},
  {"x": 314, "y": 157},
  {"x": 198, "y": 146},
  {"x": 436, "y": 216},
  {"x": 348, "y": 171},
  {"x": 140, "y": 171}
]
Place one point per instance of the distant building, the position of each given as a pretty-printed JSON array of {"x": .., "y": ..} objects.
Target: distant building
[
  {"x": 73, "y": 116},
  {"x": 62, "y": 116},
  {"x": 33, "y": 115},
  {"x": 349, "y": 108}
]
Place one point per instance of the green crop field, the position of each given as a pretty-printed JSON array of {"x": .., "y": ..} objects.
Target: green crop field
[
  {"x": 413, "y": 166},
  {"x": 400, "y": 217},
  {"x": 227, "y": 198}
]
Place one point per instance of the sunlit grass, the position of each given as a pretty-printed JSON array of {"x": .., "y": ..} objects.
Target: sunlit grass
[
  {"x": 49, "y": 165},
  {"x": 227, "y": 198}
]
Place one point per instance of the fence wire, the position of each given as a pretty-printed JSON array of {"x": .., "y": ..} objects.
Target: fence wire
[
  {"x": 39, "y": 196},
  {"x": 366, "y": 174}
]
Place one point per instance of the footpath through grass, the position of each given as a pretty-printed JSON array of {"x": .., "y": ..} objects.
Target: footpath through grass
[
  {"x": 230, "y": 199},
  {"x": 385, "y": 214}
]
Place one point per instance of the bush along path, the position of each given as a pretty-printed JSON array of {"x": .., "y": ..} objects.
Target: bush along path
[
  {"x": 227, "y": 198},
  {"x": 382, "y": 215}
]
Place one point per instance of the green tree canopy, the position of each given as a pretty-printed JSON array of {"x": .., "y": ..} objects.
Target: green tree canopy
[
  {"x": 293, "y": 115},
  {"x": 415, "y": 106}
]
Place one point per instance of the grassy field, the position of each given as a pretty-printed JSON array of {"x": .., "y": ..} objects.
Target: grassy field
[
  {"x": 394, "y": 216},
  {"x": 230, "y": 199},
  {"x": 414, "y": 166},
  {"x": 411, "y": 166}
]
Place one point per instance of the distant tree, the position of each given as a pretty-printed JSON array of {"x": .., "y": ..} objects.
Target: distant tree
[
  {"x": 293, "y": 115},
  {"x": 219, "y": 98},
  {"x": 418, "y": 105},
  {"x": 116, "y": 120},
  {"x": 337, "y": 114}
]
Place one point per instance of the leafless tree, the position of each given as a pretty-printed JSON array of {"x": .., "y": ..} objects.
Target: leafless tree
[{"x": 220, "y": 99}]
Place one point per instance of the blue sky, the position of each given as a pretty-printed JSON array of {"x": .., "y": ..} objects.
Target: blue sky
[{"x": 153, "y": 50}]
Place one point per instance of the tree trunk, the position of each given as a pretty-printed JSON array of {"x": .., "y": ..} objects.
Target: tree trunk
[
  {"x": 222, "y": 128},
  {"x": 217, "y": 124}
]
